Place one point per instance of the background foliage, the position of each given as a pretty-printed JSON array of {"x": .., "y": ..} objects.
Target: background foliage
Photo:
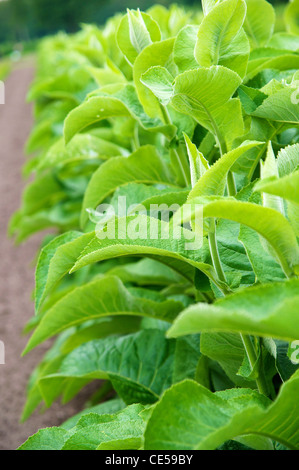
[{"x": 27, "y": 19}]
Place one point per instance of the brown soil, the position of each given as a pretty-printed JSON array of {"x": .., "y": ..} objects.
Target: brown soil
[{"x": 17, "y": 275}]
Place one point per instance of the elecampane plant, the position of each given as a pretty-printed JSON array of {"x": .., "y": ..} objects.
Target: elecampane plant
[{"x": 165, "y": 158}]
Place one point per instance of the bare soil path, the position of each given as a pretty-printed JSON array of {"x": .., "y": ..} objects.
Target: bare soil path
[{"x": 17, "y": 274}]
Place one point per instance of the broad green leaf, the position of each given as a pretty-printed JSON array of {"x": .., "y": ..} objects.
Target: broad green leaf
[
  {"x": 287, "y": 41},
  {"x": 263, "y": 264},
  {"x": 168, "y": 246},
  {"x": 285, "y": 367},
  {"x": 187, "y": 354},
  {"x": 220, "y": 40},
  {"x": 198, "y": 164},
  {"x": 93, "y": 431},
  {"x": 136, "y": 31},
  {"x": 191, "y": 417},
  {"x": 183, "y": 50},
  {"x": 267, "y": 58},
  {"x": 108, "y": 407},
  {"x": 82, "y": 147},
  {"x": 72, "y": 338},
  {"x": 279, "y": 107},
  {"x": 55, "y": 260},
  {"x": 211, "y": 104},
  {"x": 208, "y": 5},
  {"x": 63, "y": 216},
  {"x": 44, "y": 191},
  {"x": 96, "y": 299},
  {"x": 123, "y": 104},
  {"x": 257, "y": 29},
  {"x": 285, "y": 187},
  {"x": 146, "y": 272},
  {"x": 157, "y": 54},
  {"x": 267, "y": 310},
  {"x": 268, "y": 223},
  {"x": 288, "y": 159},
  {"x": 233, "y": 256},
  {"x": 269, "y": 169},
  {"x": 213, "y": 180},
  {"x": 96, "y": 432},
  {"x": 291, "y": 17},
  {"x": 228, "y": 350},
  {"x": 143, "y": 166},
  {"x": 159, "y": 81},
  {"x": 140, "y": 366},
  {"x": 45, "y": 439}
]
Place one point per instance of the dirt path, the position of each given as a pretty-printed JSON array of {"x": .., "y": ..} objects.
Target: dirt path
[{"x": 17, "y": 274}]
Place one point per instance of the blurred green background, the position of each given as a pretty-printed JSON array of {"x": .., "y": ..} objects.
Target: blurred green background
[{"x": 26, "y": 20}]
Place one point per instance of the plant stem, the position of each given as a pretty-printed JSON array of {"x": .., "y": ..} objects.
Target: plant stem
[
  {"x": 231, "y": 185},
  {"x": 214, "y": 252},
  {"x": 252, "y": 358},
  {"x": 248, "y": 346},
  {"x": 179, "y": 155}
]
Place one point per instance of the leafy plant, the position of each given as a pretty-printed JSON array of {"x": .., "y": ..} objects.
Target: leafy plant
[{"x": 196, "y": 115}]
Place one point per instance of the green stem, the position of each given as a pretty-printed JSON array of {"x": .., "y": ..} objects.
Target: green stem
[
  {"x": 214, "y": 252},
  {"x": 248, "y": 346},
  {"x": 231, "y": 185},
  {"x": 246, "y": 339},
  {"x": 252, "y": 358},
  {"x": 135, "y": 140},
  {"x": 179, "y": 155}
]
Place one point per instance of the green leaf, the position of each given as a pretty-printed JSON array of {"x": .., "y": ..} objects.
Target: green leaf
[
  {"x": 183, "y": 51},
  {"x": 108, "y": 407},
  {"x": 267, "y": 222},
  {"x": 82, "y": 147},
  {"x": 157, "y": 54},
  {"x": 99, "y": 432},
  {"x": 191, "y": 417},
  {"x": 198, "y": 164},
  {"x": 228, "y": 350},
  {"x": 136, "y": 31},
  {"x": 123, "y": 104},
  {"x": 159, "y": 81},
  {"x": 210, "y": 104},
  {"x": 220, "y": 39},
  {"x": 72, "y": 338},
  {"x": 285, "y": 187},
  {"x": 291, "y": 17},
  {"x": 168, "y": 247},
  {"x": 213, "y": 181},
  {"x": 263, "y": 264},
  {"x": 279, "y": 107},
  {"x": 84, "y": 303},
  {"x": 55, "y": 260},
  {"x": 146, "y": 272},
  {"x": 143, "y": 166},
  {"x": 140, "y": 366},
  {"x": 94, "y": 431},
  {"x": 267, "y": 310},
  {"x": 187, "y": 354},
  {"x": 288, "y": 159},
  {"x": 45, "y": 439},
  {"x": 257, "y": 29},
  {"x": 269, "y": 169}
]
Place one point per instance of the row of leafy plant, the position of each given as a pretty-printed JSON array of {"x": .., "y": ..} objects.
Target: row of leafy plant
[{"x": 192, "y": 349}]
